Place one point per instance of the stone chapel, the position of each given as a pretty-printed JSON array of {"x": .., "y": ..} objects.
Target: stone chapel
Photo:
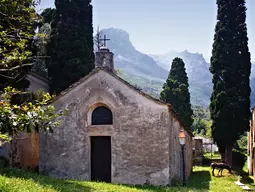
[{"x": 114, "y": 133}]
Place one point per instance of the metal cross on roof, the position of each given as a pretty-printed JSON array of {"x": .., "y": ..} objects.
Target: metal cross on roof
[{"x": 104, "y": 40}]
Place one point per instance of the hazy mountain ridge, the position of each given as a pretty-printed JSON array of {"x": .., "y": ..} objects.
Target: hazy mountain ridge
[
  {"x": 149, "y": 72},
  {"x": 200, "y": 78},
  {"x": 129, "y": 59}
]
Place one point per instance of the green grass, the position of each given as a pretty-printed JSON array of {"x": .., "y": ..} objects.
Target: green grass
[
  {"x": 214, "y": 156},
  {"x": 201, "y": 180}
]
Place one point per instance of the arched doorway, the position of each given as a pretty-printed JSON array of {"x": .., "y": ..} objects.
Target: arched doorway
[{"x": 101, "y": 146}]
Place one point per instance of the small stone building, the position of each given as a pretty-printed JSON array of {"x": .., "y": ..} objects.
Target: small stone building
[
  {"x": 113, "y": 132},
  {"x": 251, "y": 146},
  {"x": 23, "y": 150}
]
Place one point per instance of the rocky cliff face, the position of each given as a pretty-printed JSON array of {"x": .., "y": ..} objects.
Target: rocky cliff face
[
  {"x": 200, "y": 78},
  {"x": 131, "y": 60},
  {"x": 149, "y": 72}
]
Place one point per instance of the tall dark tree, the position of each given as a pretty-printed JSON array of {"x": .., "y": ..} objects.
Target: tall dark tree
[
  {"x": 18, "y": 20},
  {"x": 41, "y": 41},
  {"x": 176, "y": 92},
  {"x": 71, "y": 43},
  {"x": 230, "y": 66}
]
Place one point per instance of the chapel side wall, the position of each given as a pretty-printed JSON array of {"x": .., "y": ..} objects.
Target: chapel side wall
[
  {"x": 249, "y": 148},
  {"x": 252, "y": 144},
  {"x": 176, "y": 153}
]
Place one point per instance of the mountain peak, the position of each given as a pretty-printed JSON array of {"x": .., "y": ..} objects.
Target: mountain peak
[
  {"x": 119, "y": 41},
  {"x": 116, "y": 32}
]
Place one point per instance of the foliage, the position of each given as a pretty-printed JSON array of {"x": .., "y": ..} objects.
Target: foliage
[
  {"x": 176, "y": 92},
  {"x": 202, "y": 123},
  {"x": 201, "y": 127},
  {"x": 151, "y": 87},
  {"x": 4, "y": 162},
  {"x": 201, "y": 180},
  {"x": 230, "y": 66},
  {"x": 241, "y": 144},
  {"x": 118, "y": 72},
  {"x": 41, "y": 40},
  {"x": 21, "y": 111},
  {"x": 239, "y": 160},
  {"x": 71, "y": 43},
  {"x": 215, "y": 156},
  {"x": 18, "y": 20},
  {"x": 48, "y": 15},
  {"x": 97, "y": 40},
  {"x": 201, "y": 112}
]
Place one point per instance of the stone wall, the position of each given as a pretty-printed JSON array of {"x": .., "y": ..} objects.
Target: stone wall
[
  {"x": 198, "y": 151},
  {"x": 251, "y": 145},
  {"x": 24, "y": 151},
  {"x": 37, "y": 82},
  {"x": 143, "y": 135},
  {"x": 176, "y": 165}
]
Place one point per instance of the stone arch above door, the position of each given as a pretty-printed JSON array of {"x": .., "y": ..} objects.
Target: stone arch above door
[
  {"x": 96, "y": 106},
  {"x": 103, "y": 128},
  {"x": 102, "y": 115}
]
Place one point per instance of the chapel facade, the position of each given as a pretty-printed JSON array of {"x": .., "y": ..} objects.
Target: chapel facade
[{"x": 114, "y": 133}]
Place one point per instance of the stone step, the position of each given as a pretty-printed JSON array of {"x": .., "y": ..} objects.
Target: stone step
[{"x": 246, "y": 188}]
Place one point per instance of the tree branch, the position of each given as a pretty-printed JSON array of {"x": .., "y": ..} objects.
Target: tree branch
[
  {"x": 3, "y": 14},
  {"x": 17, "y": 67},
  {"x": 9, "y": 77}
]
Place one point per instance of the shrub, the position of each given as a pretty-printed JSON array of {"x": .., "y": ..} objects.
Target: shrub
[
  {"x": 238, "y": 160},
  {"x": 4, "y": 162}
]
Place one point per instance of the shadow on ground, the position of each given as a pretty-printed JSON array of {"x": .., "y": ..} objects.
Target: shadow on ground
[
  {"x": 200, "y": 180},
  {"x": 58, "y": 185}
]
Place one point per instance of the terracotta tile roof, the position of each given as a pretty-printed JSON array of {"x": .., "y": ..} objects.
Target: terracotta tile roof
[{"x": 170, "y": 107}]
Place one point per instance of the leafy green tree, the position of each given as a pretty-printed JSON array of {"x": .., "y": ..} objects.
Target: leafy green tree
[
  {"x": 201, "y": 127},
  {"x": 41, "y": 41},
  {"x": 176, "y": 91},
  {"x": 230, "y": 66},
  {"x": 23, "y": 111},
  {"x": 71, "y": 43},
  {"x": 19, "y": 110},
  {"x": 18, "y": 20}
]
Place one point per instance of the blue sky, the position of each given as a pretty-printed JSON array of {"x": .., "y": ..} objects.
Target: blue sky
[{"x": 160, "y": 26}]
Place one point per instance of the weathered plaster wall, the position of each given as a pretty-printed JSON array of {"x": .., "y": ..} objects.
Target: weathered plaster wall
[
  {"x": 140, "y": 134},
  {"x": 250, "y": 146},
  {"x": 36, "y": 82},
  {"x": 24, "y": 151},
  {"x": 176, "y": 165}
]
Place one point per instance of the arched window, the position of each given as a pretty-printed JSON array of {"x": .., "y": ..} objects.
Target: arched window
[{"x": 102, "y": 116}]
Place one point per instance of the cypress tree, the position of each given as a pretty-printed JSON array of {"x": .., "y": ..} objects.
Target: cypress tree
[
  {"x": 71, "y": 43},
  {"x": 176, "y": 92},
  {"x": 230, "y": 66}
]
